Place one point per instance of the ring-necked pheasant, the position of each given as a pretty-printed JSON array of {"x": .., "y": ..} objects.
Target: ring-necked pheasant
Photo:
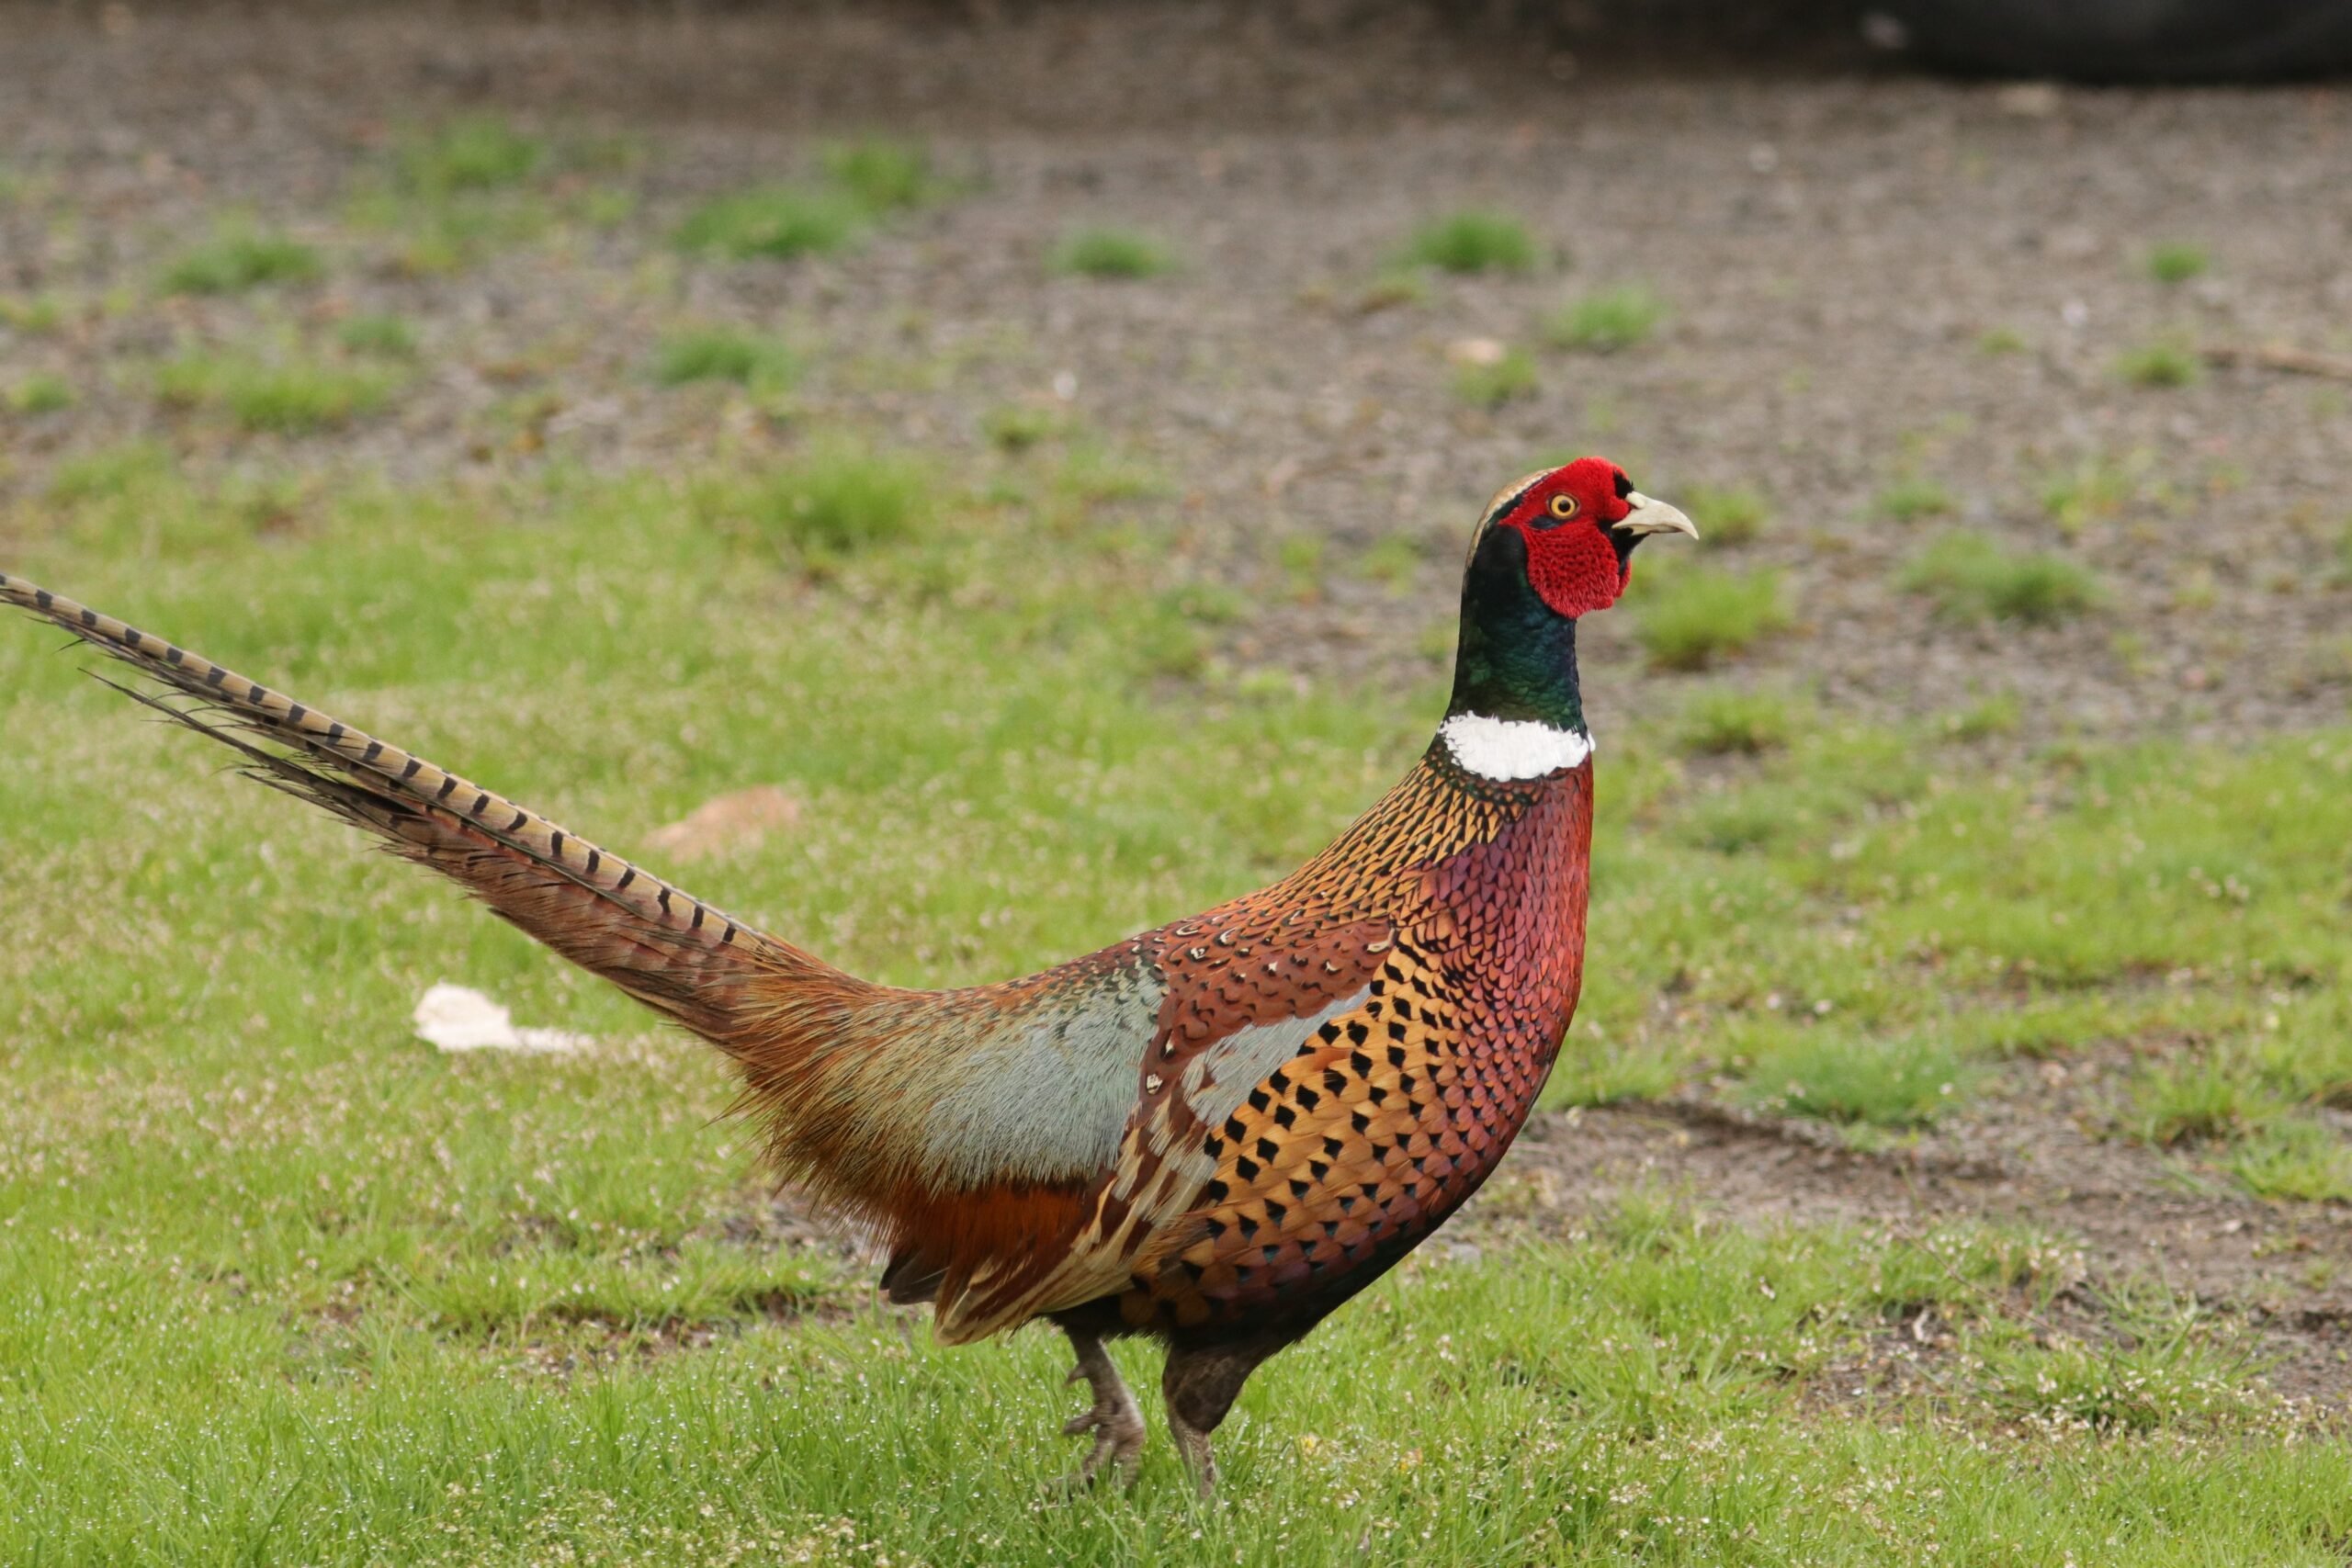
[{"x": 1213, "y": 1133}]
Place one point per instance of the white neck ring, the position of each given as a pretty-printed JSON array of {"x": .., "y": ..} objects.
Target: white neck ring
[{"x": 1508, "y": 749}]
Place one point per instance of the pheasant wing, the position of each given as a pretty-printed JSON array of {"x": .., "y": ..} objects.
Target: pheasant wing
[{"x": 1245, "y": 988}]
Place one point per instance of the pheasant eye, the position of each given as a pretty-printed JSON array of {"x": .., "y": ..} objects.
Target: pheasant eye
[{"x": 1563, "y": 507}]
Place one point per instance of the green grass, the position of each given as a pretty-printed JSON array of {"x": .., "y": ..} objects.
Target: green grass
[
  {"x": 1491, "y": 385},
  {"x": 774, "y": 224},
  {"x": 865, "y": 182},
  {"x": 2096, "y": 490},
  {"x": 2176, "y": 261},
  {"x": 441, "y": 235},
  {"x": 448, "y": 195},
  {"x": 2198, "y": 1099},
  {"x": 35, "y": 315},
  {"x": 1727, "y": 516},
  {"x": 1911, "y": 498},
  {"x": 1608, "y": 322},
  {"x": 1111, "y": 253},
  {"x": 1831, "y": 1074},
  {"x": 385, "y": 336},
  {"x": 2002, "y": 341},
  {"x": 1017, "y": 427},
  {"x": 1395, "y": 288},
  {"x": 2161, "y": 363},
  {"x": 238, "y": 257},
  {"x": 479, "y": 152},
  {"x": 2296, "y": 1158},
  {"x": 1723, "y": 721},
  {"x": 1471, "y": 242},
  {"x": 291, "y": 395},
  {"x": 719, "y": 353},
  {"x": 838, "y": 499},
  {"x": 1395, "y": 560},
  {"x": 881, "y": 174},
  {"x": 1692, "y": 618},
  {"x": 2255, "y": 1092},
  {"x": 1998, "y": 714},
  {"x": 44, "y": 391},
  {"x": 1970, "y": 577},
  {"x": 285, "y": 1285}
]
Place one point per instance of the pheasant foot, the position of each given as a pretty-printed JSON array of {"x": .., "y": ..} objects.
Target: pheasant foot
[{"x": 1113, "y": 1418}]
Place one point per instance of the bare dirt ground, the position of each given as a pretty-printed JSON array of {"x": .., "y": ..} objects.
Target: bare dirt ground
[
  {"x": 1834, "y": 238},
  {"x": 2134, "y": 1213}
]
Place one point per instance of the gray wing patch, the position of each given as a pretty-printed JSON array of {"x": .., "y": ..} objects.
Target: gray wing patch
[
  {"x": 1045, "y": 1094},
  {"x": 1220, "y": 1078}
]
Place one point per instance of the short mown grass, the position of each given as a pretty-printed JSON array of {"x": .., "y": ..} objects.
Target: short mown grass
[
  {"x": 883, "y": 175},
  {"x": 1970, "y": 577},
  {"x": 2297, "y": 1158},
  {"x": 2199, "y": 1099},
  {"x": 1607, "y": 321},
  {"x": 1697, "y": 616},
  {"x": 1490, "y": 383},
  {"x": 1111, "y": 253},
  {"x": 2096, "y": 490},
  {"x": 44, "y": 391},
  {"x": 720, "y": 354},
  {"x": 1727, "y": 721},
  {"x": 286, "y": 1285},
  {"x": 838, "y": 499},
  {"x": 778, "y": 223},
  {"x": 290, "y": 394},
  {"x": 475, "y": 153},
  {"x": 241, "y": 256},
  {"x": 865, "y": 182},
  {"x": 1828, "y": 1072},
  {"x": 34, "y": 315},
  {"x": 1726, "y": 515},
  {"x": 1471, "y": 242},
  {"x": 2162, "y": 362},
  {"x": 379, "y": 334},
  {"x": 448, "y": 193},
  {"x": 1910, "y": 498},
  {"x": 2177, "y": 261}
]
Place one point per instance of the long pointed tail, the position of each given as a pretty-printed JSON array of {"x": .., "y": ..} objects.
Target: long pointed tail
[{"x": 668, "y": 949}]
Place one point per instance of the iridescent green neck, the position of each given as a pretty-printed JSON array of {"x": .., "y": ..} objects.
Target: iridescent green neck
[{"x": 1517, "y": 655}]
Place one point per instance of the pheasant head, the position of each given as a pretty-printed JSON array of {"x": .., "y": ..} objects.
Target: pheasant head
[{"x": 1551, "y": 548}]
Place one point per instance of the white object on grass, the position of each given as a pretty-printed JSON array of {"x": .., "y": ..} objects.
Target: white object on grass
[{"x": 454, "y": 1018}]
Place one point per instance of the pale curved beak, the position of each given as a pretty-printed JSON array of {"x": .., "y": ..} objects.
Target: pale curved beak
[{"x": 1654, "y": 517}]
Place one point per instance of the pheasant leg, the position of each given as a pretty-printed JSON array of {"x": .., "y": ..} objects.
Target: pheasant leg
[
  {"x": 1113, "y": 1419},
  {"x": 1194, "y": 1444},
  {"x": 1201, "y": 1382}
]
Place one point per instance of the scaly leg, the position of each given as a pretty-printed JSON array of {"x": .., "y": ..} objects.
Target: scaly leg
[
  {"x": 1193, "y": 1442},
  {"x": 1200, "y": 1383},
  {"x": 1116, "y": 1422}
]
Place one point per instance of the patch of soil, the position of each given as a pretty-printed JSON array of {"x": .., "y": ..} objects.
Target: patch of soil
[{"x": 2284, "y": 1271}]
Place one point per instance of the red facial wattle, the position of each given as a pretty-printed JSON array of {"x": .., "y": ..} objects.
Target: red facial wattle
[
  {"x": 1572, "y": 562},
  {"x": 1575, "y": 569}
]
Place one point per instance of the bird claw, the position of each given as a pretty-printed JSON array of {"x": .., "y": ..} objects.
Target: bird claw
[
  {"x": 1118, "y": 1431},
  {"x": 1115, "y": 1454}
]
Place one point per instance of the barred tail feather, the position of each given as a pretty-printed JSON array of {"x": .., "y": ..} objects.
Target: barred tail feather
[{"x": 661, "y": 945}]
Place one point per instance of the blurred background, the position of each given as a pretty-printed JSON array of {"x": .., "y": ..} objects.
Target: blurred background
[{"x": 1334, "y": 269}]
